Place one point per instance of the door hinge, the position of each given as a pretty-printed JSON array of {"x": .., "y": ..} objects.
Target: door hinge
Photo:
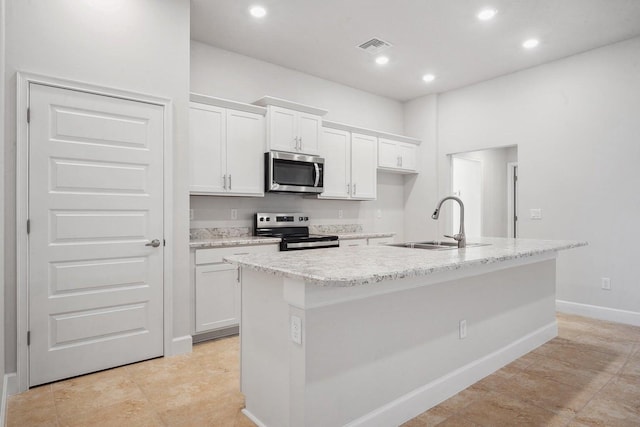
[
  {"x": 516, "y": 217},
  {"x": 28, "y": 226},
  {"x": 164, "y": 242},
  {"x": 28, "y": 337},
  {"x": 28, "y": 115}
]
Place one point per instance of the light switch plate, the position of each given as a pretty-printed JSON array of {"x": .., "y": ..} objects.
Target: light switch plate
[{"x": 535, "y": 213}]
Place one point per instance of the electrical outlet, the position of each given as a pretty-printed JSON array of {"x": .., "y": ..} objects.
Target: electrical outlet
[
  {"x": 606, "y": 283},
  {"x": 190, "y": 214},
  {"x": 234, "y": 213},
  {"x": 379, "y": 213},
  {"x": 463, "y": 329},
  {"x": 535, "y": 213},
  {"x": 296, "y": 329},
  {"x": 340, "y": 214}
]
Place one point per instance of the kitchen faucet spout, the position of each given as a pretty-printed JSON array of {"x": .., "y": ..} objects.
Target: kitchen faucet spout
[{"x": 460, "y": 237}]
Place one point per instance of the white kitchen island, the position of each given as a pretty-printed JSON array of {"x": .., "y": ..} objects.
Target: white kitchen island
[{"x": 380, "y": 327}]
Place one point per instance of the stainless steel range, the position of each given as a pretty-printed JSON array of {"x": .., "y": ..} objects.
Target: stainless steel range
[{"x": 293, "y": 228}]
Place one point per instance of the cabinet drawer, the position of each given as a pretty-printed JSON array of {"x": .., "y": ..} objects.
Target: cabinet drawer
[{"x": 215, "y": 255}]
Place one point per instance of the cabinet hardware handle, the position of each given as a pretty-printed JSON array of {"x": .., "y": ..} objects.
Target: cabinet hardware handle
[
  {"x": 400, "y": 161},
  {"x": 296, "y": 139},
  {"x": 348, "y": 189},
  {"x": 354, "y": 189},
  {"x": 224, "y": 181},
  {"x": 238, "y": 278},
  {"x": 300, "y": 143},
  {"x": 229, "y": 181}
]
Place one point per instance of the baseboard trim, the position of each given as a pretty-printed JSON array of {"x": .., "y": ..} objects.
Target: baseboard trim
[
  {"x": 253, "y": 418},
  {"x": 8, "y": 388},
  {"x": 414, "y": 403},
  {"x": 599, "y": 312},
  {"x": 181, "y": 345}
]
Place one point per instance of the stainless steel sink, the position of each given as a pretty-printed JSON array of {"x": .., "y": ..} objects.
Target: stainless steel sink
[{"x": 434, "y": 245}]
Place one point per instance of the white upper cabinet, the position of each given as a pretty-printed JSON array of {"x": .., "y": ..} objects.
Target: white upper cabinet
[
  {"x": 292, "y": 127},
  {"x": 350, "y": 165},
  {"x": 335, "y": 147},
  {"x": 364, "y": 159},
  {"x": 397, "y": 156},
  {"x": 226, "y": 150}
]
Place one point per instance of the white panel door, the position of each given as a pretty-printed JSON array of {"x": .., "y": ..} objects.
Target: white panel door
[
  {"x": 207, "y": 157},
  {"x": 283, "y": 129},
  {"x": 467, "y": 185},
  {"x": 95, "y": 201},
  {"x": 309, "y": 126},
  {"x": 363, "y": 166},
  {"x": 245, "y": 153},
  {"x": 336, "y": 151}
]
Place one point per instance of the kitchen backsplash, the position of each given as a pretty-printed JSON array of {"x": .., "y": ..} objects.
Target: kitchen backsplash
[{"x": 335, "y": 228}]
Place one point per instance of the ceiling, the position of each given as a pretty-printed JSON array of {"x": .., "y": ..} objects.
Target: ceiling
[{"x": 442, "y": 37}]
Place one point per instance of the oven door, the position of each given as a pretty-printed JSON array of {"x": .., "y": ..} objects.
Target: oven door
[{"x": 293, "y": 173}]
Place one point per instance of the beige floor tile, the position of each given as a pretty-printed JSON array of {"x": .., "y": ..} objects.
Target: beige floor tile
[
  {"x": 497, "y": 409},
  {"x": 130, "y": 413},
  {"x": 582, "y": 354},
  {"x": 430, "y": 418},
  {"x": 600, "y": 412},
  {"x": 566, "y": 372},
  {"x": 32, "y": 408},
  {"x": 622, "y": 389},
  {"x": 458, "y": 421},
  {"x": 461, "y": 400},
  {"x": 632, "y": 369},
  {"x": 91, "y": 392}
]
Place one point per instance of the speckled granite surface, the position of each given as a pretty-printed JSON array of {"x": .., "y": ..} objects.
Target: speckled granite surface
[
  {"x": 334, "y": 229},
  {"x": 349, "y": 236},
  {"x": 232, "y": 241},
  {"x": 371, "y": 264}
]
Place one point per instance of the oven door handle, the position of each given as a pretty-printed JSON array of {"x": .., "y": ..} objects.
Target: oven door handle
[{"x": 315, "y": 165}]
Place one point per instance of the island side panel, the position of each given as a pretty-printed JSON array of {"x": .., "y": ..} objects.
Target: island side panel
[
  {"x": 363, "y": 354},
  {"x": 264, "y": 358}
]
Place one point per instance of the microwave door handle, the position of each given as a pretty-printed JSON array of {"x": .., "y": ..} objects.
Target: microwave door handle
[{"x": 315, "y": 165}]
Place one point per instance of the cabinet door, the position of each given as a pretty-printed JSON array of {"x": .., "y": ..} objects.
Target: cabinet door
[
  {"x": 364, "y": 162},
  {"x": 282, "y": 129},
  {"x": 335, "y": 147},
  {"x": 245, "y": 153},
  {"x": 388, "y": 156},
  {"x": 207, "y": 134},
  {"x": 408, "y": 154},
  {"x": 309, "y": 126},
  {"x": 217, "y": 297}
]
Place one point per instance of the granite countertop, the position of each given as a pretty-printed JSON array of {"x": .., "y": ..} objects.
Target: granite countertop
[
  {"x": 371, "y": 264},
  {"x": 216, "y": 242},
  {"x": 361, "y": 235}
]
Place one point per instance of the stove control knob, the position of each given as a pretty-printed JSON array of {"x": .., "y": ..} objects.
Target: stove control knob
[
  {"x": 300, "y": 219},
  {"x": 268, "y": 219},
  {"x": 261, "y": 218},
  {"x": 306, "y": 218}
]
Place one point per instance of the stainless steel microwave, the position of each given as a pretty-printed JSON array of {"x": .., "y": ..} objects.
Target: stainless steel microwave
[{"x": 293, "y": 173}]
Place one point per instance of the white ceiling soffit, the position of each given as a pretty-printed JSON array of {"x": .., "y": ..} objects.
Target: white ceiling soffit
[{"x": 441, "y": 37}]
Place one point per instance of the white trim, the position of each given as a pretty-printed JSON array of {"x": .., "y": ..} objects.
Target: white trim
[
  {"x": 599, "y": 312},
  {"x": 253, "y": 418},
  {"x": 351, "y": 128},
  {"x": 227, "y": 103},
  {"x": 8, "y": 389},
  {"x": 510, "y": 210},
  {"x": 266, "y": 101},
  {"x": 22, "y": 198},
  {"x": 181, "y": 345},
  {"x": 421, "y": 399}
]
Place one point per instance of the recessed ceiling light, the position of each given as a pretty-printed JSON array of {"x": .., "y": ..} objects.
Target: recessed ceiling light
[
  {"x": 428, "y": 78},
  {"x": 258, "y": 11},
  {"x": 486, "y": 14},
  {"x": 530, "y": 44},
  {"x": 381, "y": 60}
]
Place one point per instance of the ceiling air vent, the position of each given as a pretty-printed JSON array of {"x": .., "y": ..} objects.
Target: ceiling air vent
[{"x": 374, "y": 46}]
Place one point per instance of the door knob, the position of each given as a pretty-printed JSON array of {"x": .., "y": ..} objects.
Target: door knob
[{"x": 155, "y": 243}]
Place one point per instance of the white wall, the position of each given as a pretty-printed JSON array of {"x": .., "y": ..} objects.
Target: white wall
[
  {"x": 2, "y": 200},
  {"x": 576, "y": 123},
  {"x": 225, "y": 74},
  {"x": 134, "y": 45},
  {"x": 421, "y": 191}
]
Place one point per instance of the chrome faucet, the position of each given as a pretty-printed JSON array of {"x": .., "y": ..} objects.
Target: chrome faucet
[{"x": 460, "y": 237}]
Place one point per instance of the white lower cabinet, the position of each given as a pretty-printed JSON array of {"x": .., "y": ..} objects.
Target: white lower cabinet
[{"x": 217, "y": 287}]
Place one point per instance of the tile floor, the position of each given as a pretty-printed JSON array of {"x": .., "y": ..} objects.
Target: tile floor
[{"x": 588, "y": 376}]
